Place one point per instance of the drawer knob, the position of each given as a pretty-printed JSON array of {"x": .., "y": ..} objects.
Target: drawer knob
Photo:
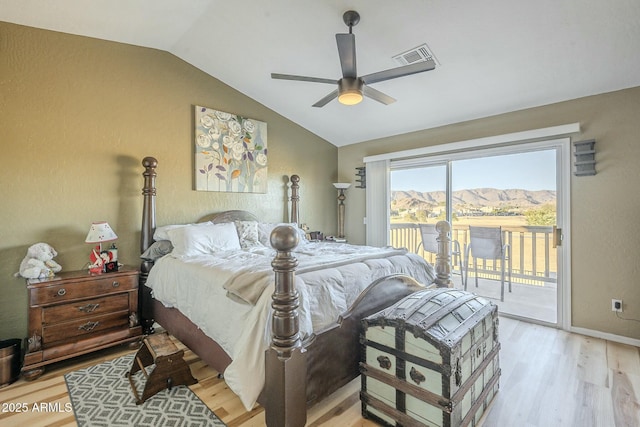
[
  {"x": 89, "y": 308},
  {"x": 115, "y": 284},
  {"x": 62, "y": 292},
  {"x": 89, "y": 326}
]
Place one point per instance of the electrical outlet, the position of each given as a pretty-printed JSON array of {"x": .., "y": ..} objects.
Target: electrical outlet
[{"x": 616, "y": 305}]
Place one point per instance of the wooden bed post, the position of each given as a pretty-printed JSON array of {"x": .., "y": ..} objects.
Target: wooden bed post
[
  {"x": 146, "y": 239},
  {"x": 443, "y": 257},
  {"x": 295, "y": 199},
  {"x": 285, "y": 365}
]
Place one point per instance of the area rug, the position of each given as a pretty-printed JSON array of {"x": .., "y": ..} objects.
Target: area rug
[{"x": 101, "y": 396}]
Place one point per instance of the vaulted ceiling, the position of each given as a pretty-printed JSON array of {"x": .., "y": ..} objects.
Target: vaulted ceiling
[{"x": 492, "y": 56}]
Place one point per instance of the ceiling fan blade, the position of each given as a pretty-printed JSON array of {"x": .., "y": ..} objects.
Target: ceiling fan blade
[
  {"x": 302, "y": 78},
  {"x": 347, "y": 52},
  {"x": 324, "y": 101},
  {"x": 377, "y": 95},
  {"x": 394, "y": 73}
]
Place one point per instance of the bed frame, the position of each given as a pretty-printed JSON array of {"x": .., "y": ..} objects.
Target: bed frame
[{"x": 328, "y": 360}]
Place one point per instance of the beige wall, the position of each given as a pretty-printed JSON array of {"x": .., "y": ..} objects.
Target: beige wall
[
  {"x": 77, "y": 115},
  {"x": 605, "y": 208}
]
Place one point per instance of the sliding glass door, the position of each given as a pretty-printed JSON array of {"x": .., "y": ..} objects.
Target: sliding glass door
[{"x": 513, "y": 189}]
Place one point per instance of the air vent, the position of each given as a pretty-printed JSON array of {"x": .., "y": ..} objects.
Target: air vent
[{"x": 417, "y": 54}]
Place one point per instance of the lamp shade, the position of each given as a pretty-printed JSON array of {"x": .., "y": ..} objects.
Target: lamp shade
[
  {"x": 100, "y": 232},
  {"x": 342, "y": 185}
]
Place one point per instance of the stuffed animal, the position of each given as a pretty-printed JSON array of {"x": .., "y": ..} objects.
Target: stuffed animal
[{"x": 39, "y": 263}]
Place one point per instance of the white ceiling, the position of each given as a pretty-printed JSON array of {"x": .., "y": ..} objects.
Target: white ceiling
[{"x": 494, "y": 56}]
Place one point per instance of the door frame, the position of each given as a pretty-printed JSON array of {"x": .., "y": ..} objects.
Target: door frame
[{"x": 562, "y": 147}]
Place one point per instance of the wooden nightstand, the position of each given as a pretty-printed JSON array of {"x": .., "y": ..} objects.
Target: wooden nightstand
[{"x": 75, "y": 313}]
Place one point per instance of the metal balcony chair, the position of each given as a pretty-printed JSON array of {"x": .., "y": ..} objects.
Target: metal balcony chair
[
  {"x": 429, "y": 243},
  {"x": 486, "y": 243}
]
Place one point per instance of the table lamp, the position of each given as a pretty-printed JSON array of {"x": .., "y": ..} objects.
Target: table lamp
[{"x": 99, "y": 232}]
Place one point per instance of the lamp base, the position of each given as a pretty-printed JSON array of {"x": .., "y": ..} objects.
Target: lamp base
[{"x": 101, "y": 262}]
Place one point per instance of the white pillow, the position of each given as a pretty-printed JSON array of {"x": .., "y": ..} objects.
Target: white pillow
[
  {"x": 265, "y": 229},
  {"x": 203, "y": 239},
  {"x": 161, "y": 233}
]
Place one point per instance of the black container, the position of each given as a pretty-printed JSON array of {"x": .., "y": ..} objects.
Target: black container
[{"x": 10, "y": 361}]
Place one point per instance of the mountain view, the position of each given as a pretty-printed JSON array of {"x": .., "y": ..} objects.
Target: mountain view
[{"x": 479, "y": 201}]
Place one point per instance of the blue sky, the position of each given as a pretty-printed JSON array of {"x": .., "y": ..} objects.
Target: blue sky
[{"x": 529, "y": 171}]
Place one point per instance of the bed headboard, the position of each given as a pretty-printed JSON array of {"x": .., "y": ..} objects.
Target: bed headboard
[
  {"x": 149, "y": 207},
  {"x": 230, "y": 216},
  {"x": 149, "y": 225}
]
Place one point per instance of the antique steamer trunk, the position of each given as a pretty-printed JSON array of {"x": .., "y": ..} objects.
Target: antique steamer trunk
[{"x": 430, "y": 360}]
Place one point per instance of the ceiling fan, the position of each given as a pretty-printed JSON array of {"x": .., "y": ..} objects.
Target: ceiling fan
[{"x": 351, "y": 88}]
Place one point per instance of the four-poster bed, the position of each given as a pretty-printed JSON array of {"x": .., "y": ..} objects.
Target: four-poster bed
[{"x": 300, "y": 343}]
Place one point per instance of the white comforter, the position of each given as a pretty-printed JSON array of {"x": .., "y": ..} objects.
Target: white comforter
[{"x": 327, "y": 287}]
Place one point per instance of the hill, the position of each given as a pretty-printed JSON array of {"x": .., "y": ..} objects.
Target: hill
[{"x": 479, "y": 199}]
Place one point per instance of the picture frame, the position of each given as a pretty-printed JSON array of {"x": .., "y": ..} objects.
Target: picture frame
[{"x": 230, "y": 152}]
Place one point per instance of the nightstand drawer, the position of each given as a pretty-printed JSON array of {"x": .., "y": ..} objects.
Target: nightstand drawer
[
  {"x": 82, "y": 289},
  {"x": 85, "y": 308},
  {"x": 83, "y": 327}
]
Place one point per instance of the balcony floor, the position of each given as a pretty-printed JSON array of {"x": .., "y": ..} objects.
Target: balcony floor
[{"x": 538, "y": 302}]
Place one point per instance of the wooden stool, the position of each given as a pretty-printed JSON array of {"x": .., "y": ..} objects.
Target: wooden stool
[{"x": 170, "y": 370}]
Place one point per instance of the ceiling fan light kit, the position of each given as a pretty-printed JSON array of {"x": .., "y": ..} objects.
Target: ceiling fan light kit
[
  {"x": 350, "y": 91},
  {"x": 351, "y": 88}
]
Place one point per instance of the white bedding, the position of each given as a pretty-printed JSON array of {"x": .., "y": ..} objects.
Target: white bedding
[{"x": 197, "y": 287}]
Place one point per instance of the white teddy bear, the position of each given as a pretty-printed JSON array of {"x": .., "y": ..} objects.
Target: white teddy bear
[{"x": 39, "y": 263}]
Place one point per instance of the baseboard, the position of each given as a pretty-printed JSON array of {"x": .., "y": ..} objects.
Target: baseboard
[{"x": 606, "y": 336}]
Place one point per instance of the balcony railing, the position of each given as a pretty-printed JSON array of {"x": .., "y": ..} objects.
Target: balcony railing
[{"x": 533, "y": 257}]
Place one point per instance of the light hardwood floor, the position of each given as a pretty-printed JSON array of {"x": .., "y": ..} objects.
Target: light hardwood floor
[{"x": 549, "y": 378}]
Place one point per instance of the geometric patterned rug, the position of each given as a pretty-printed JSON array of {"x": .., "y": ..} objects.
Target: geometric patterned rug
[{"x": 101, "y": 396}]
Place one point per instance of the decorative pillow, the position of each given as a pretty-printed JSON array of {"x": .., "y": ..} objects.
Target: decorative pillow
[
  {"x": 203, "y": 239},
  {"x": 248, "y": 234},
  {"x": 302, "y": 235},
  {"x": 161, "y": 233},
  {"x": 265, "y": 229},
  {"x": 157, "y": 250}
]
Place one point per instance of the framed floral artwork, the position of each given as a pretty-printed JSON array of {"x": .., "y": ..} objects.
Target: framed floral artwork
[{"x": 230, "y": 152}]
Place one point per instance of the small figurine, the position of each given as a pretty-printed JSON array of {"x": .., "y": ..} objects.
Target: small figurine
[{"x": 98, "y": 260}]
